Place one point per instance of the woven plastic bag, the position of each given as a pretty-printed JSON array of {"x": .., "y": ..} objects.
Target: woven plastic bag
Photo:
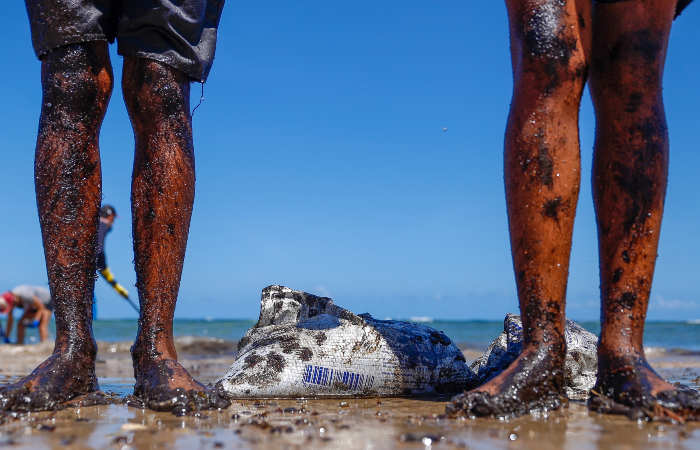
[{"x": 306, "y": 346}]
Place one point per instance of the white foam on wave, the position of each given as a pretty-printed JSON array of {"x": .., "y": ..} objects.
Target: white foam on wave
[
  {"x": 13, "y": 349},
  {"x": 655, "y": 351},
  {"x": 421, "y": 319}
]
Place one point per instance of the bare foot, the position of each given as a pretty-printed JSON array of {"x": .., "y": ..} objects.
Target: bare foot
[
  {"x": 162, "y": 384},
  {"x": 628, "y": 385},
  {"x": 59, "y": 379},
  {"x": 533, "y": 382}
]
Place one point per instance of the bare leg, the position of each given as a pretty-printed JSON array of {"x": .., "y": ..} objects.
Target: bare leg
[
  {"x": 157, "y": 98},
  {"x": 629, "y": 184},
  {"x": 77, "y": 83},
  {"x": 549, "y": 40},
  {"x": 44, "y": 325},
  {"x": 21, "y": 328}
]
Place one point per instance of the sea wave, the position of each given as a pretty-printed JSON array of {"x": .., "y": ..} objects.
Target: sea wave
[
  {"x": 185, "y": 345},
  {"x": 205, "y": 346},
  {"x": 32, "y": 349},
  {"x": 657, "y": 352},
  {"x": 421, "y": 319}
]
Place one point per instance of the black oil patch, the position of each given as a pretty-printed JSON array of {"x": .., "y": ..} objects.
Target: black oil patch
[
  {"x": 251, "y": 361},
  {"x": 638, "y": 178},
  {"x": 633, "y": 102},
  {"x": 551, "y": 208},
  {"x": 275, "y": 362},
  {"x": 305, "y": 354},
  {"x": 647, "y": 45},
  {"x": 545, "y": 164},
  {"x": 617, "y": 274},
  {"x": 545, "y": 38},
  {"x": 625, "y": 256},
  {"x": 291, "y": 344},
  {"x": 628, "y": 300},
  {"x": 544, "y": 34}
]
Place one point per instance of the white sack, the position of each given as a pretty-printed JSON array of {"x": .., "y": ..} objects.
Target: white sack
[{"x": 306, "y": 346}]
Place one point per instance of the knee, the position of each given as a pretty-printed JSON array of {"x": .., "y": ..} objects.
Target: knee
[
  {"x": 153, "y": 90},
  {"x": 634, "y": 61},
  {"x": 556, "y": 70},
  {"x": 548, "y": 52},
  {"x": 78, "y": 79}
]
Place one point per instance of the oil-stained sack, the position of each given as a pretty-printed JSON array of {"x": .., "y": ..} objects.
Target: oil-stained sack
[
  {"x": 581, "y": 356},
  {"x": 306, "y": 346}
]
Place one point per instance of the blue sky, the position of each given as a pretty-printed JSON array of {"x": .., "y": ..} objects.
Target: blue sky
[{"x": 323, "y": 165}]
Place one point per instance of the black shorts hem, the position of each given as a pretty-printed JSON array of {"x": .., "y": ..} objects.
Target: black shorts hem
[
  {"x": 179, "y": 33},
  {"x": 68, "y": 40},
  {"x": 195, "y": 71}
]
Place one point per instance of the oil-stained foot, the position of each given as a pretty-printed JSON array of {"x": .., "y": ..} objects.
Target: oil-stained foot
[
  {"x": 56, "y": 381},
  {"x": 164, "y": 385},
  {"x": 533, "y": 382},
  {"x": 628, "y": 385}
]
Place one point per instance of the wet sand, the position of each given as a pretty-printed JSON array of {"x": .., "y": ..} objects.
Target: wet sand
[{"x": 385, "y": 423}]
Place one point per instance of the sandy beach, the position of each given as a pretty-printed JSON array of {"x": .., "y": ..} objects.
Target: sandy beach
[{"x": 383, "y": 423}]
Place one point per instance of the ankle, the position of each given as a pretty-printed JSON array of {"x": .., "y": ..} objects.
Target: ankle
[
  {"x": 144, "y": 351},
  {"x": 619, "y": 348},
  {"x": 555, "y": 345},
  {"x": 86, "y": 349}
]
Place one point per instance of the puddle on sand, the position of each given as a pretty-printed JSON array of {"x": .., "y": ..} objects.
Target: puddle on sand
[
  {"x": 120, "y": 386},
  {"x": 7, "y": 379}
]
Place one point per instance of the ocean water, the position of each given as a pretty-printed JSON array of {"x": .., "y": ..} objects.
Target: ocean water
[{"x": 468, "y": 334}]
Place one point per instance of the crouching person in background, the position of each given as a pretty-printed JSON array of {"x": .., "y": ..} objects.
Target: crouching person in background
[{"x": 37, "y": 305}]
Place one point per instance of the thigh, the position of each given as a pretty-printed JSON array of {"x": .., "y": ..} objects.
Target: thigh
[
  {"x": 55, "y": 23},
  {"x": 550, "y": 42},
  {"x": 630, "y": 41},
  {"x": 680, "y": 6},
  {"x": 181, "y": 35},
  {"x": 549, "y": 28}
]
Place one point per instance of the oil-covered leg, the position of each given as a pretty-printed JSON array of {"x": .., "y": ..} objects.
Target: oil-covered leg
[
  {"x": 549, "y": 41},
  {"x": 630, "y": 170},
  {"x": 77, "y": 83},
  {"x": 157, "y": 98}
]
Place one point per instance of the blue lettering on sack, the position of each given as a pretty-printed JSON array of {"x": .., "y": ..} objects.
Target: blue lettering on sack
[{"x": 323, "y": 376}]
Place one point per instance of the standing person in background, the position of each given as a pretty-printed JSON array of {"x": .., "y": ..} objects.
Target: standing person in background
[
  {"x": 37, "y": 305},
  {"x": 107, "y": 216},
  {"x": 619, "y": 47}
]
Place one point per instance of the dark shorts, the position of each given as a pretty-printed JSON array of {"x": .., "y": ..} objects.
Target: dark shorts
[
  {"x": 179, "y": 33},
  {"x": 680, "y": 6}
]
